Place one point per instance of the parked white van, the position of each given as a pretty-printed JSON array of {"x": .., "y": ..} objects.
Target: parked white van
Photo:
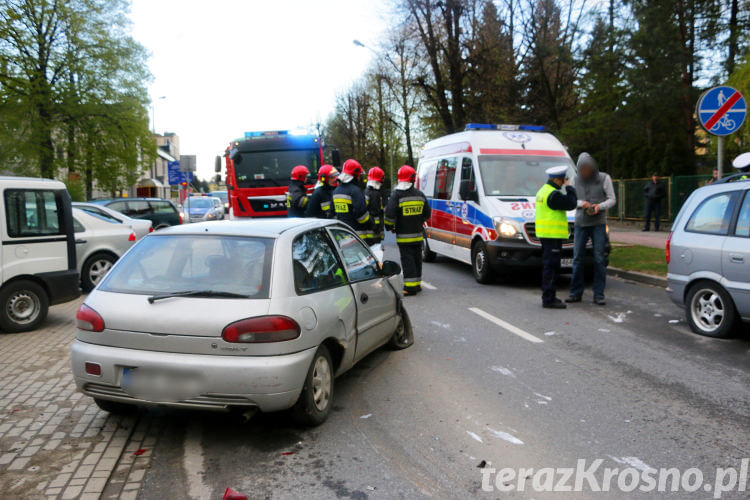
[
  {"x": 37, "y": 251},
  {"x": 482, "y": 185}
]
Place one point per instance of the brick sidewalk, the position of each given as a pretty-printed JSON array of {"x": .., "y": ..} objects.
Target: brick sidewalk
[
  {"x": 55, "y": 442},
  {"x": 637, "y": 237}
]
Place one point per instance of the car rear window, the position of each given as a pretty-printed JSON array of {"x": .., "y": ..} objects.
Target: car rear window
[
  {"x": 162, "y": 207},
  {"x": 180, "y": 263}
]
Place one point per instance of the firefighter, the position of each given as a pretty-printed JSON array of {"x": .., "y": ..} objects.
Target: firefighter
[
  {"x": 349, "y": 201},
  {"x": 406, "y": 214},
  {"x": 374, "y": 200},
  {"x": 321, "y": 200},
  {"x": 552, "y": 205},
  {"x": 742, "y": 164},
  {"x": 296, "y": 197}
]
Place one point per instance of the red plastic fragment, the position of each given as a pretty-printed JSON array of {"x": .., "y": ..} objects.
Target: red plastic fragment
[
  {"x": 288, "y": 453},
  {"x": 140, "y": 451},
  {"x": 230, "y": 494}
]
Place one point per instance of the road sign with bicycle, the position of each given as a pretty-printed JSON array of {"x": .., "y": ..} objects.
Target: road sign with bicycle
[{"x": 721, "y": 110}]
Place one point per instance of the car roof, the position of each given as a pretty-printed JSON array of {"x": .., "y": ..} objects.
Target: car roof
[
  {"x": 265, "y": 228},
  {"x": 30, "y": 182},
  {"x": 109, "y": 200},
  {"x": 492, "y": 140}
]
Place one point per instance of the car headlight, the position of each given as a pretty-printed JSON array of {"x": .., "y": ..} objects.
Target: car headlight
[
  {"x": 211, "y": 215},
  {"x": 507, "y": 228}
]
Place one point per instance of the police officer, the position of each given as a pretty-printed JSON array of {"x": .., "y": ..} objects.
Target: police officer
[
  {"x": 406, "y": 214},
  {"x": 321, "y": 200},
  {"x": 349, "y": 201},
  {"x": 374, "y": 199},
  {"x": 296, "y": 197},
  {"x": 552, "y": 229},
  {"x": 742, "y": 164}
]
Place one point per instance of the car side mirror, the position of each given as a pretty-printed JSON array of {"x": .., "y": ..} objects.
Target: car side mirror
[
  {"x": 467, "y": 192},
  {"x": 390, "y": 268},
  {"x": 217, "y": 164},
  {"x": 335, "y": 158}
]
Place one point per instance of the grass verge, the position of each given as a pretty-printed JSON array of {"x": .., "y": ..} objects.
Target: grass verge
[{"x": 639, "y": 258}]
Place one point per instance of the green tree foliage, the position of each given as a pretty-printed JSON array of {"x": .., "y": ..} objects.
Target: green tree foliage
[{"x": 72, "y": 91}]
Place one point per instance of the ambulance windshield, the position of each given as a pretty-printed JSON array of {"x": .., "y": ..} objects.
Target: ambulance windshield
[{"x": 517, "y": 175}]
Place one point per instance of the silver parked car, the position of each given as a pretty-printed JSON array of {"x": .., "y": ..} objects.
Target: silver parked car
[
  {"x": 99, "y": 243},
  {"x": 202, "y": 209},
  {"x": 236, "y": 315},
  {"x": 708, "y": 254},
  {"x": 141, "y": 227}
]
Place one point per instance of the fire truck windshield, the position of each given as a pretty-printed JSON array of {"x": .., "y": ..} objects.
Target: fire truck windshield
[
  {"x": 272, "y": 168},
  {"x": 517, "y": 175}
]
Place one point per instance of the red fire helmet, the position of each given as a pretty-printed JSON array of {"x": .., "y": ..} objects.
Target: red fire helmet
[
  {"x": 352, "y": 167},
  {"x": 406, "y": 174},
  {"x": 376, "y": 174},
  {"x": 327, "y": 171},
  {"x": 300, "y": 173}
]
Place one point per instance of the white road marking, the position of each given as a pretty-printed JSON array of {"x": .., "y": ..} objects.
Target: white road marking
[
  {"x": 474, "y": 436},
  {"x": 504, "y": 324},
  {"x": 634, "y": 462},
  {"x": 192, "y": 461},
  {"x": 504, "y": 435},
  {"x": 429, "y": 286}
]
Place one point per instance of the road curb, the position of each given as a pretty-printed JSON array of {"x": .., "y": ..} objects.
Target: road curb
[{"x": 646, "y": 279}]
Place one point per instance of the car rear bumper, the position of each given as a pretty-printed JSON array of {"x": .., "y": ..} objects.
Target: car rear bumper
[
  {"x": 269, "y": 383},
  {"x": 676, "y": 286},
  {"x": 63, "y": 286}
]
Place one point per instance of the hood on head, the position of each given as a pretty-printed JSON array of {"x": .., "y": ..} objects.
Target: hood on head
[
  {"x": 374, "y": 184},
  {"x": 345, "y": 178},
  {"x": 403, "y": 186},
  {"x": 586, "y": 160}
]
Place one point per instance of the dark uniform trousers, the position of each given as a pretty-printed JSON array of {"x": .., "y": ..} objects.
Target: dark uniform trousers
[
  {"x": 551, "y": 249},
  {"x": 411, "y": 264}
]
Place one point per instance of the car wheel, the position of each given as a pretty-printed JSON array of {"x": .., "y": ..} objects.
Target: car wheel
[
  {"x": 403, "y": 337},
  {"x": 95, "y": 269},
  {"x": 710, "y": 310},
  {"x": 315, "y": 401},
  {"x": 114, "y": 407},
  {"x": 480, "y": 264},
  {"x": 427, "y": 254},
  {"x": 25, "y": 305}
]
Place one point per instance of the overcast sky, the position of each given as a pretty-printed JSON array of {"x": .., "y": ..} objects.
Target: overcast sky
[{"x": 230, "y": 66}]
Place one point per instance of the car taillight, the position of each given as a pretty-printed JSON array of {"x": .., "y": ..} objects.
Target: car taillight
[
  {"x": 261, "y": 329},
  {"x": 131, "y": 237},
  {"x": 89, "y": 320},
  {"x": 181, "y": 219},
  {"x": 150, "y": 229},
  {"x": 669, "y": 247}
]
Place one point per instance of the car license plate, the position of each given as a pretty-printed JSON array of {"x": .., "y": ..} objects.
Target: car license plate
[
  {"x": 160, "y": 385},
  {"x": 566, "y": 262}
]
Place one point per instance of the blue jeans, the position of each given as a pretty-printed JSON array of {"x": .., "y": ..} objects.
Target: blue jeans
[{"x": 598, "y": 237}]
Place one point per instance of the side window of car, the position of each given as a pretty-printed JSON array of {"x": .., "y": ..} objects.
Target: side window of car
[
  {"x": 120, "y": 206},
  {"x": 359, "y": 262},
  {"x": 139, "y": 208},
  {"x": 444, "y": 176},
  {"x": 315, "y": 264},
  {"x": 32, "y": 213},
  {"x": 78, "y": 227},
  {"x": 713, "y": 215},
  {"x": 743, "y": 221},
  {"x": 162, "y": 207}
]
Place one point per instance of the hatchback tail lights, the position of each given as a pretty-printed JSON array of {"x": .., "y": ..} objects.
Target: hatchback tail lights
[
  {"x": 261, "y": 329},
  {"x": 89, "y": 320}
]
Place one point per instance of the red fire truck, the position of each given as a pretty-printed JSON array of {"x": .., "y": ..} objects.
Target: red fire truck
[{"x": 259, "y": 165}]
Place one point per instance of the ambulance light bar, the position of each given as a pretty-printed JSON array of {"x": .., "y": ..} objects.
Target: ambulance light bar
[{"x": 490, "y": 126}]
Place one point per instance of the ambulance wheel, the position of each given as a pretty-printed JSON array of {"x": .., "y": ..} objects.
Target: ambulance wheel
[
  {"x": 427, "y": 254},
  {"x": 480, "y": 264}
]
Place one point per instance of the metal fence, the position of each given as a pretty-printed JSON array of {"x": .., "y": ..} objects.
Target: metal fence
[{"x": 631, "y": 203}]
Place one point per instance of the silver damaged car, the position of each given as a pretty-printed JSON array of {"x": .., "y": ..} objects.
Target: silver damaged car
[{"x": 248, "y": 315}]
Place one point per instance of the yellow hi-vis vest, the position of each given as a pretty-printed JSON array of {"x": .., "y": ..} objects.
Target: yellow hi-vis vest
[{"x": 549, "y": 223}]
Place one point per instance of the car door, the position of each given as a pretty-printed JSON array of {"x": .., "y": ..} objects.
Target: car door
[
  {"x": 699, "y": 247},
  {"x": 444, "y": 220},
  {"x": 736, "y": 258},
  {"x": 465, "y": 212},
  {"x": 84, "y": 242},
  {"x": 374, "y": 295}
]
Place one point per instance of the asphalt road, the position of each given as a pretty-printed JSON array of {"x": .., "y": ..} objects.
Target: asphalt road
[{"x": 627, "y": 383}]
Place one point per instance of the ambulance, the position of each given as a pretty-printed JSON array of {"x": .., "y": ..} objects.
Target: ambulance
[{"x": 481, "y": 185}]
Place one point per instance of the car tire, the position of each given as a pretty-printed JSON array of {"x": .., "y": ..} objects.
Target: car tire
[
  {"x": 115, "y": 407},
  {"x": 427, "y": 254},
  {"x": 709, "y": 310},
  {"x": 94, "y": 270},
  {"x": 403, "y": 337},
  {"x": 480, "y": 264},
  {"x": 24, "y": 306},
  {"x": 315, "y": 401}
]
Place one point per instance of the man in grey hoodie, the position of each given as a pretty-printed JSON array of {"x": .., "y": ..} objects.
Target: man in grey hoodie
[{"x": 595, "y": 196}]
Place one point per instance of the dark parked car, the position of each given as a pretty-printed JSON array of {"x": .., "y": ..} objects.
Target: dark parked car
[{"x": 161, "y": 213}]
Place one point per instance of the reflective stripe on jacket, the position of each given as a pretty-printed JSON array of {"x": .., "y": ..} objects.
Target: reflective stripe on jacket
[
  {"x": 406, "y": 213},
  {"x": 350, "y": 207}
]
